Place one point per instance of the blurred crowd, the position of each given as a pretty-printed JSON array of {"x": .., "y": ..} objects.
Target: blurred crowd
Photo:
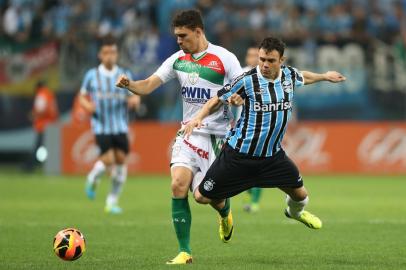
[
  {"x": 143, "y": 28},
  {"x": 142, "y": 25},
  {"x": 326, "y": 20}
]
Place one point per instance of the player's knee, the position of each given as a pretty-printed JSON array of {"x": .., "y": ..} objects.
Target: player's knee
[
  {"x": 107, "y": 158},
  {"x": 199, "y": 198},
  {"x": 179, "y": 188},
  {"x": 120, "y": 157}
]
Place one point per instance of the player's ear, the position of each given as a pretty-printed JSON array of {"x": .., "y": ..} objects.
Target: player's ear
[
  {"x": 282, "y": 59},
  {"x": 198, "y": 31}
]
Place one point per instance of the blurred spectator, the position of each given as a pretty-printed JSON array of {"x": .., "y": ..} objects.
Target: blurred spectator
[
  {"x": 143, "y": 29},
  {"x": 44, "y": 113},
  {"x": 17, "y": 22}
]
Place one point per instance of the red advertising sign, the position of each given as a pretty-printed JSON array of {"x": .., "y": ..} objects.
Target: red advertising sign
[{"x": 316, "y": 147}]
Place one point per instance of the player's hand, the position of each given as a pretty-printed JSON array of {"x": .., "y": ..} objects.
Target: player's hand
[
  {"x": 188, "y": 128},
  {"x": 334, "y": 76},
  {"x": 236, "y": 100},
  {"x": 134, "y": 102},
  {"x": 123, "y": 81}
]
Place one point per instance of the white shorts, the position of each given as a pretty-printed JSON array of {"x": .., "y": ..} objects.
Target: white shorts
[{"x": 196, "y": 153}]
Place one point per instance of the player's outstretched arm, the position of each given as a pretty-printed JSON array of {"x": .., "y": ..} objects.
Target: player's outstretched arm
[
  {"x": 211, "y": 106},
  {"x": 331, "y": 76},
  {"x": 141, "y": 87}
]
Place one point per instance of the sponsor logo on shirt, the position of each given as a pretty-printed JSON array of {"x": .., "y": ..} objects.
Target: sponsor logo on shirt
[
  {"x": 287, "y": 86},
  {"x": 272, "y": 107},
  {"x": 196, "y": 94}
]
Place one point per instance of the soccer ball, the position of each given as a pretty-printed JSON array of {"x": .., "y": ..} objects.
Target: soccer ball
[{"x": 69, "y": 244}]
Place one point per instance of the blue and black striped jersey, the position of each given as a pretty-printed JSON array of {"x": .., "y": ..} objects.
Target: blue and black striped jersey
[
  {"x": 266, "y": 111},
  {"x": 111, "y": 116}
]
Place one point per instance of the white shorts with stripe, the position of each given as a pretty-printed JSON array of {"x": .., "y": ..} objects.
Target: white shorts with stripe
[{"x": 196, "y": 153}]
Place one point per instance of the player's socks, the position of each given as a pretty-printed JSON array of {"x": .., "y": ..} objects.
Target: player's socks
[
  {"x": 295, "y": 211},
  {"x": 93, "y": 177},
  {"x": 182, "y": 219},
  {"x": 253, "y": 207},
  {"x": 255, "y": 194},
  {"x": 98, "y": 169},
  {"x": 119, "y": 176},
  {"x": 226, "y": 209},
  {"x": 295, "y": 208}
]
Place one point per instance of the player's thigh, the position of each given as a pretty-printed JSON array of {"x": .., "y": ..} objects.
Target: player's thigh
[
  {"x": 297, "y": 194},
  {"x": 120, "y": 144},
  {"x": 229, "y": 175},
  {"x": 281, "y": 172},
  {"x": 107, "y": 157},
  {"x": 119, "y": 156},
  {"x": 104, "y": 142},
  {"x": 207, "y": 147},
  {"x": 181, "y": 180}
]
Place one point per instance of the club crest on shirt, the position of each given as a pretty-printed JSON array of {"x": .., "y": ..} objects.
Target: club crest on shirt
[
  {"x": 208, "y": 185},
  {"x": 193, "y": 77},
  {"x": 287, "y": 86}
]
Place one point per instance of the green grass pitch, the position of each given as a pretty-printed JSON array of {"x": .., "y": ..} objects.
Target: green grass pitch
[{"x": 364, "y": 226}]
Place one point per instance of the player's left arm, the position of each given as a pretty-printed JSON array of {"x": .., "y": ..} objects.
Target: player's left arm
[
  {"x": 330, "y": 76},
  {"x": 205, "y": 111},
  {"x": 235, "y": 72}
]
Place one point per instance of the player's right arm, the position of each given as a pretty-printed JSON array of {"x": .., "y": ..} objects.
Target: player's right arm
[
  {"x": 144, "y": 87},
  {"x": 140, "y": 87},
  {"x": 85, "y": 89},
  {"x": 88, "y": 105}
]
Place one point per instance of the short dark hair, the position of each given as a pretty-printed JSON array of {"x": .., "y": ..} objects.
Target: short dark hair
[
  {"x": 108, "y": 41},
  {"x": 273, "y": 43},
  {"x": 191, "y": 19}
]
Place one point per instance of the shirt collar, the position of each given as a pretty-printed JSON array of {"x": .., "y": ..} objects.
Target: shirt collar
[
  {"x": 200, "y": 54},
  {"x": 109, "y": 73},
  {"x": 269, "y": 80}
]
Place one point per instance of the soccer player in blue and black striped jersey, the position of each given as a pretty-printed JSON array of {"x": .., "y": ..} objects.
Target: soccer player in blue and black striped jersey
[
  {"x": 108, "y": 105},
  {"x": 252, "y": 155}
]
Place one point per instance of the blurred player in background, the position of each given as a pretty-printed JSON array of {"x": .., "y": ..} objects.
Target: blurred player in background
[
  {"x": 202, "y": 69},
  {"x": 109, "y": 108},
  {"x": 251, "y": 57},
  {"x": 44, "y": 113},
  {"x": 253, "y": 156},
  {"x": 254, "y": 194}
]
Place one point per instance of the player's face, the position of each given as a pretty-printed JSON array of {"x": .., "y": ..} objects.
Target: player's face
[
  {"x": 251, "y": 59},
  {"x": 188, "y": 40},
  {"x": 270, "y": 63},
  {"x": 108, "y": 55}
]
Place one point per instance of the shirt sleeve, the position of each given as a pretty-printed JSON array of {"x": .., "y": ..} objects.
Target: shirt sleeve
[
  {"x": 85, "y": 88},
  {"x": 166, "y": 72},
  {"x": 233, "y": 68},
  {"x": 297, "y": 77},
  {"x": 237, "y": 86}
]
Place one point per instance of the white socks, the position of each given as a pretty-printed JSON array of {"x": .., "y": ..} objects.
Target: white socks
[
  {"x": 98, "y": 169},
  {"x": 295, "y": 208},
  {"x": 118, "y": 178}
]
